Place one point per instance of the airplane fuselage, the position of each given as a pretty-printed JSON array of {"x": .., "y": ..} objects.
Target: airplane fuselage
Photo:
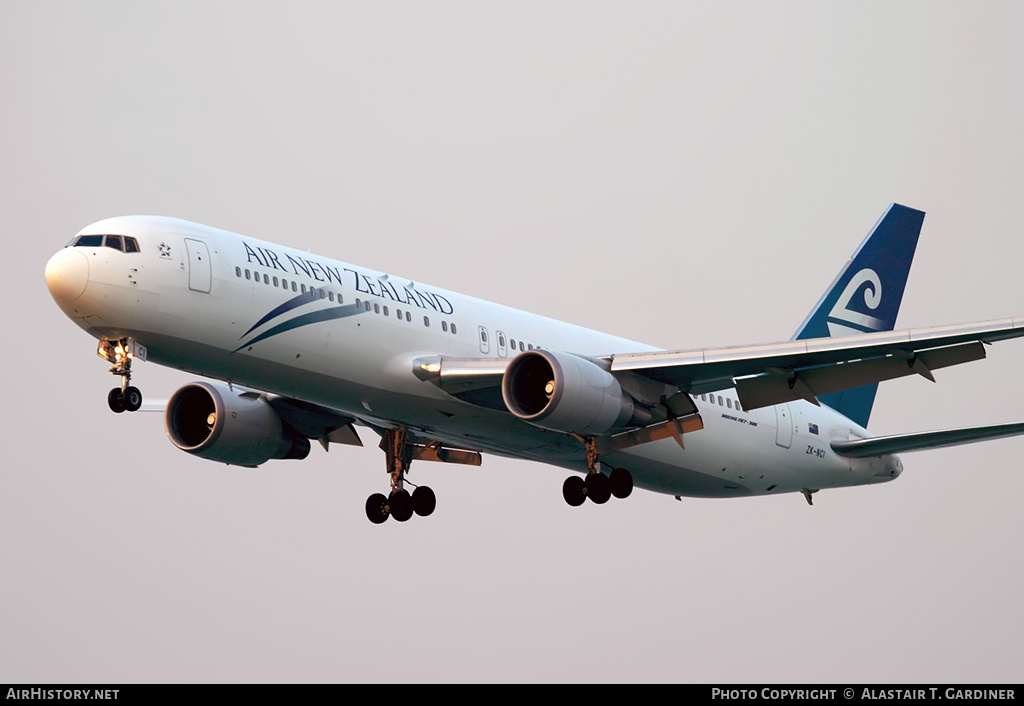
[{"x": 268, "y": 317}]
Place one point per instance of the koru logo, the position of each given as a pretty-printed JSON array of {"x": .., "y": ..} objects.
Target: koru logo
[{"x": 872, "y": 298}]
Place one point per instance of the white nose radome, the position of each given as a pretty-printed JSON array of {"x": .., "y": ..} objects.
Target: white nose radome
[{"x": 67, "y": 273}]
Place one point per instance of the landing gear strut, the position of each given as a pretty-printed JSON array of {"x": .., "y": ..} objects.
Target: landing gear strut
[
  {"x": 399, "y": 503},
  {"x": 596, "y": 486},
  {"x": 126, "y": 397}
]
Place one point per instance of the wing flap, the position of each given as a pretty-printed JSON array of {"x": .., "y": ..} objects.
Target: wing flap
[
  {"x": 780, "y": 386},
  {"x": 902, "y": 443}
]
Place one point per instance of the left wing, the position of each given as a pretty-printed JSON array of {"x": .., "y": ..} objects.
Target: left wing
[
  {"x": 763, "y": 375},
  {"x": 781, "y": 372}
]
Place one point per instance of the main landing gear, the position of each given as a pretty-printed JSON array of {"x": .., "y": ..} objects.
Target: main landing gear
[
  {"x": 597, "y": 486},
  {"x": 125, "y": 398},
  {"x": 399, "y": 503}
]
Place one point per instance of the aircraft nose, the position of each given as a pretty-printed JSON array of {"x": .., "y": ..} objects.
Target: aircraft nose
[{"x": 67, "y": 273}]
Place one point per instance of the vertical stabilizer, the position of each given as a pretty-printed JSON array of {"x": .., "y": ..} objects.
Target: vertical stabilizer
[{"x": 866, "y": 297}]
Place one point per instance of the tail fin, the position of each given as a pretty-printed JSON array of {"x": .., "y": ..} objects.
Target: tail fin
[{"x": 866, "y": 297}]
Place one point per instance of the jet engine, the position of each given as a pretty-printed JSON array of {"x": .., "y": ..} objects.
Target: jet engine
[
  {"x": 564, "y": 392},
  {"x": 242, "y": 429}
]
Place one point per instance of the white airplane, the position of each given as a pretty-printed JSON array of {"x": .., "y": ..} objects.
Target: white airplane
[{"x": 310, "y": 348}]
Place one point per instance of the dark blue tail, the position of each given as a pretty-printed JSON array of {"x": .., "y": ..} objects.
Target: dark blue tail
[{"x": 866, "y": 297}]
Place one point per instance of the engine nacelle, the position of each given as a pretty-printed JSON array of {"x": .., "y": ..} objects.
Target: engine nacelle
[
  {"x": 564, "y": 392},
  {"x": 242, "y": 429}
]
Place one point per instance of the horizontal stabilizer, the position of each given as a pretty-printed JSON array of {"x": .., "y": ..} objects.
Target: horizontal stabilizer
[{"x": 900, "y": 443}]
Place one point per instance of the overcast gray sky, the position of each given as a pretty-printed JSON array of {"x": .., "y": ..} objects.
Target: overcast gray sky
[{"x": 683, "y": 174}]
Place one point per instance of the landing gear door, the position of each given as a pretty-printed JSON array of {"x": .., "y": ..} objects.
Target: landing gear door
[{"x": 199, "y": 271}]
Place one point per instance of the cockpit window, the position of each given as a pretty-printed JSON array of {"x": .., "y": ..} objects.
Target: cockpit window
[{"x": 123, "y": 243}]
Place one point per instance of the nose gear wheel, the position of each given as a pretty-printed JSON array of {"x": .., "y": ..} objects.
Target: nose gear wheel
[{"x": 125, "y": 398}]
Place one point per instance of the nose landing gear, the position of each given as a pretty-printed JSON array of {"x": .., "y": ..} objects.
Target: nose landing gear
[{"x": 125, "y": 398}]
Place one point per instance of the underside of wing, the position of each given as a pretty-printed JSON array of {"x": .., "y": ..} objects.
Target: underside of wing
[
  {"x": 763, "y": 375},
  {"x": 774, "y": 373},
  {"x": 316, "y": 422}
]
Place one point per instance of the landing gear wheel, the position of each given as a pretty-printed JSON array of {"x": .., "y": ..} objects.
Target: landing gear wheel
[
  {"x": 115, "y": 400},
  {"x": 423, "y": 501},
  {"x": 132, "y": 399},
  {"x": 574, "y": 490},
  {"x": 401, "y": 505},
  {"x": 621, "y": 482},
  {"x": 376, "y": 508},
  {"x": 598, "y": 488}
]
